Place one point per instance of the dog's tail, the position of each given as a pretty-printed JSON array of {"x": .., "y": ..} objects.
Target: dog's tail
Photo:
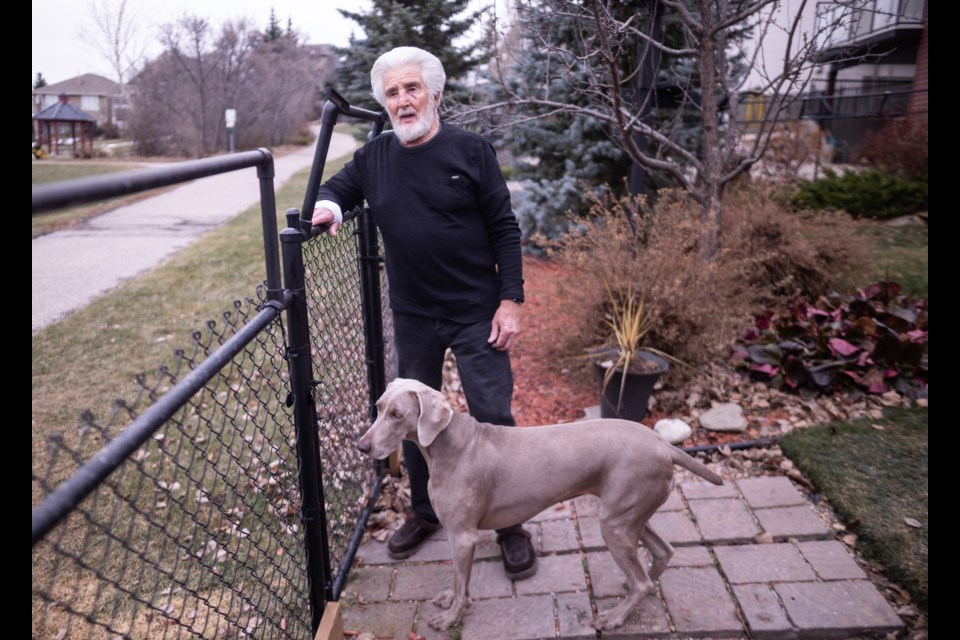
[{"x": 687, "y": 461}]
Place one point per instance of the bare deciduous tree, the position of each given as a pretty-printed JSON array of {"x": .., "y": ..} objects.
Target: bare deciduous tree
[
  {"x": 613, "y": 57},
  {"x": 115, "y": 30},
  {"x": 181, "y": 96}
]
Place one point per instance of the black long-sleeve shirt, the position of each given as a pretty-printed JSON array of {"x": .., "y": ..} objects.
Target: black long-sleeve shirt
[{"x": 452, "y": 243}]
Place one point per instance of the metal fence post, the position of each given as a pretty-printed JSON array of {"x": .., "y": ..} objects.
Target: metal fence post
[
  {"x": 369, "y": 260},
  {"x": 312, "y": 511}
]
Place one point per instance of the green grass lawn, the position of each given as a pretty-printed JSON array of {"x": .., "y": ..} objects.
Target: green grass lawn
[
  {"x": 874, "y": 473},
  {"x": 900, "y": 253}
]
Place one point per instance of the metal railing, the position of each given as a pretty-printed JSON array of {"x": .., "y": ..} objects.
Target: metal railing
[{"x": 227, "y": 498}]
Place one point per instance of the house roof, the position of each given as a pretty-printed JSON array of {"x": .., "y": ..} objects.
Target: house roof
[
  {"x": 88, "y": 84},
  {"x": 64, "y": 112}
]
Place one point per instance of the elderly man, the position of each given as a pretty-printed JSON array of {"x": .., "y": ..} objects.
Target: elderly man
[{"x": 452, "y": 249}]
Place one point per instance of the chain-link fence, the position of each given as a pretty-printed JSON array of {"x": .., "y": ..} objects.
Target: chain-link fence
[
  {"x": 339, "y": 350},
  {"x": 196, "y": 533},
  {"x": 186, "y": 512}
]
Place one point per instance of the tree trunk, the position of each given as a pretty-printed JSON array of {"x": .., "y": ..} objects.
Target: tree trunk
[{"x": 712, "y": 152}]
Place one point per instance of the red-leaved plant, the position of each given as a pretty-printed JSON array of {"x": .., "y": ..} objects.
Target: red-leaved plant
[{"x": 873, "y": 341}]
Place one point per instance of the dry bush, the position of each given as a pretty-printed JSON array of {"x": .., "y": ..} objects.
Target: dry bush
[
  {"x": 655, "y": 249},
  {"x": 768, "y": 255},
  {"x": 792, "y": 144},
  {"x": 900, "y": 146},
  {"x": 784, "y": 253}
]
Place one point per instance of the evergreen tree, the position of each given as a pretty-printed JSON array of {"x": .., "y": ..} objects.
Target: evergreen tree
[
  {"x": 439, "y": 26},
  {"x": 273, "y": 31},
  {"x": 40, "y": 81},
  {"x": 565, "y": 156}
]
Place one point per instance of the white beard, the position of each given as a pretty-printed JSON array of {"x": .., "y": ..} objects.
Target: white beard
[{"x": 410, "y": 132}]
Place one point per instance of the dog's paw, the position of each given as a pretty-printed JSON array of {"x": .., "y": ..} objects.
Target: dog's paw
[
  {"x": 445, "y": 620},
  {"x": 443, "y": 599},
  {"x": 609, "y": 619}
]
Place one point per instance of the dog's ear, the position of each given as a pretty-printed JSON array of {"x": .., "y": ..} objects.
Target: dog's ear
[{"x": 435, "y": 415}]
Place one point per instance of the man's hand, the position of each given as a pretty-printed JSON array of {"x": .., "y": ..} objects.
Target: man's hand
[
  {"x": 505, "y": 326},
  {"x": 325, "y": 216}
]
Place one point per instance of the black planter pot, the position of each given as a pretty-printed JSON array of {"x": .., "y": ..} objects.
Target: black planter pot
[{"x": 636, "y": 392}]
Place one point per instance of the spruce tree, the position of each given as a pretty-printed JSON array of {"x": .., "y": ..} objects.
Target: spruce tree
[
  {"x": 40, "y": 81},
  {"x": 439, "y": 26},
  {"x": 273, "y": 31},
  {"x": 565, "y": 156}
]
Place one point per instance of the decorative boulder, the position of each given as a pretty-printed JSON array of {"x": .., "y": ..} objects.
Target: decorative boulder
[
  {"x": 724, "y": 417},
  {"x": 673, "y": 430}
]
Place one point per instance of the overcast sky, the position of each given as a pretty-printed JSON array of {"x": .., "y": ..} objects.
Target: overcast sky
[{"x": 59, "y": 53}]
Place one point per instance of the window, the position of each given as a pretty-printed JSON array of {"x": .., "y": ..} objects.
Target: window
[
  {"x": 89, "y": 103},
  {"x": 885, "y": 14}
]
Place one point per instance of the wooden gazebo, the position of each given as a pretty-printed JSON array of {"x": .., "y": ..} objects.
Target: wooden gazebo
[{"x": 62, "y": 120}]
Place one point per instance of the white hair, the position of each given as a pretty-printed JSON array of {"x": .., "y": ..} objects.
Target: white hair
[{"x": 430, "y": 66}]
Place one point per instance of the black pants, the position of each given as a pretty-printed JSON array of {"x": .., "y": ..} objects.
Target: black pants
[{"x": 485, "y": 374}]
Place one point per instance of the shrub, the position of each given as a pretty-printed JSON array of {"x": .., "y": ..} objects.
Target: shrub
[
  {"x": 873, "y": 193},
  {"x": 873, "y": 341},
  {"x": 788, "y": 254},
  {"x": 767, "y": 256},
  {"x": 899, "y": 147}
]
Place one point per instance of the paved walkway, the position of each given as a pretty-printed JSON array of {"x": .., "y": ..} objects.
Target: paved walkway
[
  {"x": 74, "y": 266},
  {"x": 720, "y": 583}
]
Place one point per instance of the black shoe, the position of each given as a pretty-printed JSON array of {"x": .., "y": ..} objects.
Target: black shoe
[
  {"x": 516, "y": 551},
  {"x": 410, "y": 536}
]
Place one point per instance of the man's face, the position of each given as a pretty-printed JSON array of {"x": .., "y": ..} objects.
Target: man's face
[{"x": 412, "y": 110}]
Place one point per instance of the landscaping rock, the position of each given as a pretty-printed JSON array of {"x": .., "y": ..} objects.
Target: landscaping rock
[
  {"x": 724, "y": 417},
  {"x": 673, "y": 430}
]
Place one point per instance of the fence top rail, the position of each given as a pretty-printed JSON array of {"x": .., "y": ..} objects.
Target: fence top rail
[{"x": 57, "y": 195}]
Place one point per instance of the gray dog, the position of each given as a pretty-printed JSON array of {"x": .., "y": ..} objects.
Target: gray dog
[{"x": 484, "y": 476}]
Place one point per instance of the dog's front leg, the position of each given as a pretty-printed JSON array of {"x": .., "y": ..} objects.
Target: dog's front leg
[{"x": 456, "y": 599}]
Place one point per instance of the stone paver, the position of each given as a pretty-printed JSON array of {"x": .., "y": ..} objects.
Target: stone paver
[
  {"x": 831, "y": 560},
  {"x": 763, "y": 563},
  {"x": 574, "y": 616},
  {"x": 792, "y": 522},
  {"x": 557, "y": 535},
  {"x": 698, "y": 602},
  {"x": 837, "y": 609},
  {"x": 778, "y": 491},
  {"x": 765, "y": 617},
  {"x": 804, "y": 586},
  {"x": 520, "y": 618},
  {"x": 724, "y": 521},
  {"x": 381, "y": 619},
  {"x": 691, "y": 557},
  {"x": 554, "y": 575},
  {"x": 373, "y": 583},
  {"x": 703, "y": 490}
]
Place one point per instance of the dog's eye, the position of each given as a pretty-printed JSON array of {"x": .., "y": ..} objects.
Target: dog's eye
[{"x": 397, "y": 414}]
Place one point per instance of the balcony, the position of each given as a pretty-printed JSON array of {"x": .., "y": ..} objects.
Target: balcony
[{"x": 867, "y": 28}]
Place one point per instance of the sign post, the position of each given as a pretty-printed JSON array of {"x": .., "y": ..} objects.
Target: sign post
[{"x": 230, "y": 115}]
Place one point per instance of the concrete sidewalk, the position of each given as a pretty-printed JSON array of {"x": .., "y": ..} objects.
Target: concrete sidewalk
[
  {"x": 720, "y": 583},
  {"x": 74, "y": 266}
]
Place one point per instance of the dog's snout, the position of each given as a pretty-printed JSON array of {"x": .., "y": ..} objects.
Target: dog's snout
[{"x": 363, "y": 446}]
